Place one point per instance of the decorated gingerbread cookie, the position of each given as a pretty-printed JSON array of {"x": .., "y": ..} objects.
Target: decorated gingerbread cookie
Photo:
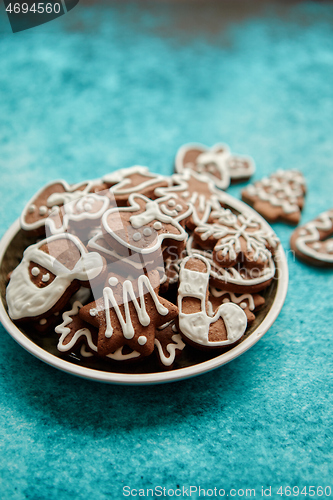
[
  {"x": 145, "y": 224},
  {"x": 279, "y": 197},
  {"x": 218, "y": 163},
  {"x": 313, "y": 242},
  {"x": 168, "y": 344},
  {"x": 197, "y": 190},
  {"x": 48, "y": 275},
  {"x": 197, "y": 327},
  {"x": 129, "y": 313},
  {"x": 237, "y": 239},
  {"x": 131, "y": 180}
]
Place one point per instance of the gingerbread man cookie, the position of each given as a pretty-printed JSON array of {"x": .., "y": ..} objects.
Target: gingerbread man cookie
[
  {"x": 197, "y": 327},
  {"x": 279, "y": 197},
  {"x": 143, "y": 225},
  {"x": 313, "y": 242}
]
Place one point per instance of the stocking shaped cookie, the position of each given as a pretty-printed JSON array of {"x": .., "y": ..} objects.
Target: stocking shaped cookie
[
  {"x": 197, "y": 327},
  {"x": 313, "y": 242},
  {"x": 247, "y": 301},
  {"x": 47, "y": 206},
  {"x": 128, "y": 314},
  {"x": 237, "y": 239},
  {"x": 131, "y": 180},
  {"x": 49, "y": 273},
  {"x": 278, "y": 197},
  {"x": 196, "y": 189},
  {"x": 143, "y": 225}
]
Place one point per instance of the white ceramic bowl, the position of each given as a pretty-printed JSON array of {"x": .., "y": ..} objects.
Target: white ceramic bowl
[{"x": 261, "y": 326}]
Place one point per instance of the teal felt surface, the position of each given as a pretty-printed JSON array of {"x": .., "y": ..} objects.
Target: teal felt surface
[{"x": 108, "y": 87}]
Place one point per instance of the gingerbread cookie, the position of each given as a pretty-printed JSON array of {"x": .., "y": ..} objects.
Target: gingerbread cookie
[
  {"x": 168, "y": 344},
  {"x": 228, "y": 324},
  {"x": 237, "y": 239},
  {"x": 248, "y": 302},
  {"x": 48, "y": 275},
  {"x": 143, "y": 225},
  {"x": 131, "y": 180},
  {"x": 279, "y": 197},
  {"x": 197, "y": 190},
  {"x": 313, "y": 242},
  {"x": 129, "y": 313},
  {"x": 217, "y": 163}
]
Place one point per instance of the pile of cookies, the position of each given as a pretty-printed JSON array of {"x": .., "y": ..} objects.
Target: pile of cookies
[{"x": 138, "y": 265}]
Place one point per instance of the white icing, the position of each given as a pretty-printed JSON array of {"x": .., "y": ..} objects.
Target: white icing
[
  {"x": 43, "y": 210},
  {"x": 137, "y": 236},
  {"x": 233, "y": 298},
  {"x": 25, "y": 299},
  {"x": 121, "y": 179},
  {"x": 45, "y": 278},
  {"x": 63, "y": 330},
  {"x": 31, "y": 208},
  {"x": 157, "y": 226},
  {"x": 93, "y": 312},
  {"x": 43, "y": 321},
  {"x": 147, "y": 231},
  {"x": 285, "y": 187},
  {"x": 142, "y": 340},
  {"x": 35, "y": 271},
  {"x": 240, "y": 166},
  {"x": 196, "y": 326},
  {"x": 129, "y": 294},
  {"x": 171, "y": 349},
  {"x": 310, "y": 234}
]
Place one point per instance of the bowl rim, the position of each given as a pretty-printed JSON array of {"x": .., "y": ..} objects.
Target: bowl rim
[{"x": 155, "y": 377}]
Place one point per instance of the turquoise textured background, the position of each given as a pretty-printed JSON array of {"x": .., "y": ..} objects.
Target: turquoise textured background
[{"x": 110, "y": 86}]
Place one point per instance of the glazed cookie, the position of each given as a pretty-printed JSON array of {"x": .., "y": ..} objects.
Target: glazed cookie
[
  {"x": 279, "y": 197},
  {"x": 197, "y": 190},
  {"x": 168, "y": 344},
  {"x": 237, "y": 239},
  {"x": 248, "y": 302},
  {"x": 128, "y": 314},
  {"x": 237, "y": 279},
  {"x": 143, "y": 226},
  {"x": 48, "y": 275},
  {"x": 131, "y": 180},
  {"x": 217, "y": 163},
  {"x": 197, "y": 327},
  {"x": 57, "y": 203},
  {"x": 313, "y": 242}
]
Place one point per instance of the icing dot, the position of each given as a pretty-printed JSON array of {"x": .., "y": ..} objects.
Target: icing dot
[
  {"x": 113, "y": 281},
  {"x": 45, "y": 278},
  {"x": 43, "y": 210},
  {"x": 179, "y": 208},
  {"x": 147, "y": 231},
  {"x": 329, "y": 246},
  {"x": 137, "y": 236},
  {"x": 243, "y": 305},
  {"x": 316, "y": 246},
  {"x": 31, "y": 209},
  {"x": 43, "y": 321},
  {"x": 225, "y": 300},
  {"x": 87, "y": 207},
  {"x": 142, "y": 340},
  {"x": 171, "y": 203},
  {"x": 93, "y": 312},
  {"x": 35, "y": 271},
  {"x": 157, "y": 225}
]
